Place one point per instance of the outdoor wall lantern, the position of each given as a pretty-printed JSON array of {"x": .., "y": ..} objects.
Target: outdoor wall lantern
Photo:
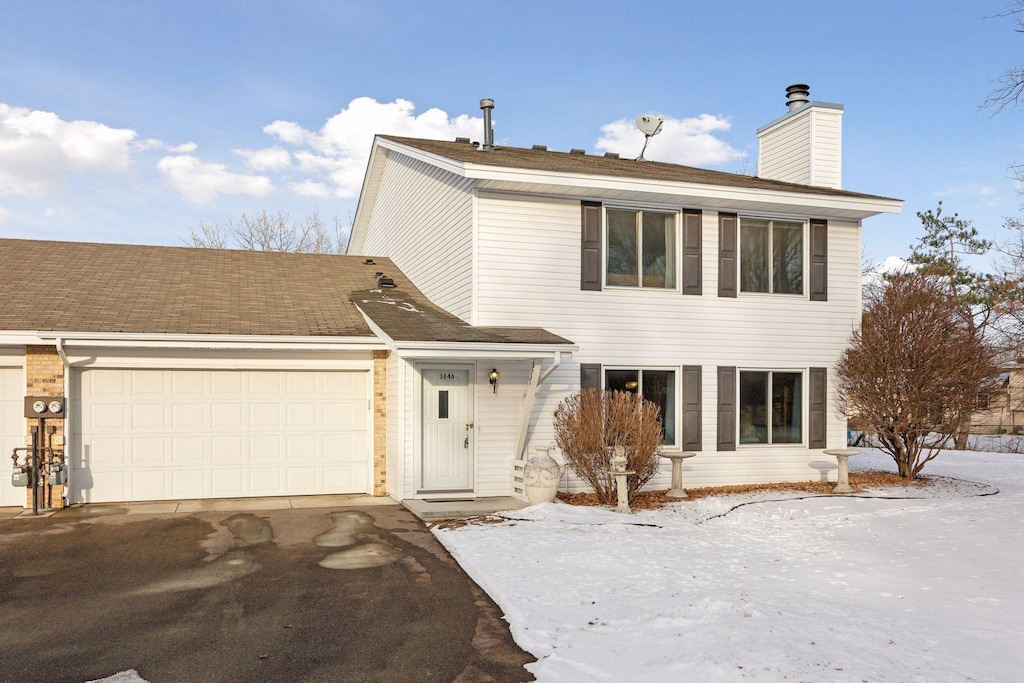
[{"x": 493, "y": 378}]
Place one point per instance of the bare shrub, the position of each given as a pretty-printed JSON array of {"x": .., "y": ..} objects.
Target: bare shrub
[
  {"x": 912, "y": 373},
  {"x": 590, "y": 421}
]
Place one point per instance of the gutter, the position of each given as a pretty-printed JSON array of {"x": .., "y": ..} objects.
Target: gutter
[{"x": 68, "y": 469}]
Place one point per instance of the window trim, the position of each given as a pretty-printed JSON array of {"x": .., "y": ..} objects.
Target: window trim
[
  {"x": 804, "y": 408},
  {"x": 677, "y": 218},
  {"x": 676, "y": 393},
  {"x": 804, "y": 251}
]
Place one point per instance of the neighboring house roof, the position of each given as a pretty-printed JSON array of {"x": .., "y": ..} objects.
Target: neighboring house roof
[
  {"x": 541, "y": 159},
  {"x": 121, "y": 288},
  {"x": 405, "y": 315}
]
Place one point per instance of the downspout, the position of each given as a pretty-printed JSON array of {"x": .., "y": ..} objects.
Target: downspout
[{"x": 62, "y": 352}]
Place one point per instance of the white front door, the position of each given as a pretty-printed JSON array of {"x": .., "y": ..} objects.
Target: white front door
[{"x": 447, "y": 430}]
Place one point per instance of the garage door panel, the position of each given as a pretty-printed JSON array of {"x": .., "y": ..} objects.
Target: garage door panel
[
  {"x": 226, "y": 448},
  {"x": 228, "y": 483},
  {"x": 190, "y": 483},
  {"x": 226, "y": 416},
  {"x": 264, "y": 415},
  {"x": 12, "y": 431},
  {"x": 188, "y": 449},
  {"x": 219, "y": 433},
  {"x": 106, "y": 417},
  {"x": 188, "y": 415}
]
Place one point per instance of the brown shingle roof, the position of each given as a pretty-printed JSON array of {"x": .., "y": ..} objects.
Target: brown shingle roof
[
  {"x": 87, "y": 287},
  {"x": 544, "y": 160},
  {"x": 122, "y": 288},
  {"x": 405, "y": 314}
]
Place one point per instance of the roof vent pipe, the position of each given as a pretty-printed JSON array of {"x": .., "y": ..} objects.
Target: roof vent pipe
[
  {"x": 487, "y": 106},
  {"x": 797, "y": 95}
]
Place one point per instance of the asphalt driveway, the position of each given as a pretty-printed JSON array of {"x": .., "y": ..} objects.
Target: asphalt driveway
[{"x": 321, "y": 594}]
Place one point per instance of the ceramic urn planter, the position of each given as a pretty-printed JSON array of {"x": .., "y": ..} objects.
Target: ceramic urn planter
[{"x": 540, "y": 477}]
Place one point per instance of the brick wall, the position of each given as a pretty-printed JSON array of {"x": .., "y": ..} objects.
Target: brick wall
[
  {"x": 44, "y": 376},
  {"x": 380, "y": 415}
]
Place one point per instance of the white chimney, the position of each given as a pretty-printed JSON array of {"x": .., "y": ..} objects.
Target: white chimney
[{"x": 806, "y": 144}]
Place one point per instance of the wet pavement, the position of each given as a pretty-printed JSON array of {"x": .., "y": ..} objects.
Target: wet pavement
[{"x": 315, "y": 594}]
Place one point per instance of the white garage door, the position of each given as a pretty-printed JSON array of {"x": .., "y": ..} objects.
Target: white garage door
[
  {"x": 179, "y": 434},
  {"x": 12, "y": 431}
]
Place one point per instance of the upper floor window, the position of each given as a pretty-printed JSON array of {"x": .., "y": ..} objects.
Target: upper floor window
[
  {"x": 771, "y": 256},
  {"x": 640, "y": 248}
]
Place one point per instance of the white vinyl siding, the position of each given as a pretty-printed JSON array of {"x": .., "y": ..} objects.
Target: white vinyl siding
[
  {"x": 423, "y": 221},
  {"x": 529, "y": 274},
  {"x": 181, "y": 434},
  {"x": 12, "y": 432}
]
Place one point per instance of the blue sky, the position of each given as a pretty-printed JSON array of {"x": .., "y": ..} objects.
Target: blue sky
[{"x": 133, "y": 121}]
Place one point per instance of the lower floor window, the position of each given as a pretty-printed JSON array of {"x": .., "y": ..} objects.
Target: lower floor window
[
  {"x": 771, "y": 407},
  {"x": 656, "y": 386}
]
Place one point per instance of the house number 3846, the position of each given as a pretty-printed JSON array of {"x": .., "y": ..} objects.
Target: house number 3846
[{"x": 446, "y": 376}]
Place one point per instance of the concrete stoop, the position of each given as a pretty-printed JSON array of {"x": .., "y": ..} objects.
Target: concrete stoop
[{"x": 454, "y": 508}]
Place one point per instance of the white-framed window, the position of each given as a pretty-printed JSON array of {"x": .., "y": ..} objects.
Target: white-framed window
[
  {"x": 771, "y": 407},
  {"x": 640, "y": 248},
  {"x": 656, "y": 385},
  {"x": 772, "y": 256}
]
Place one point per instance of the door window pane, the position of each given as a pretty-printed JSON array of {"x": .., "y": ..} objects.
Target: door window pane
[{"x": 442, "y": 404}]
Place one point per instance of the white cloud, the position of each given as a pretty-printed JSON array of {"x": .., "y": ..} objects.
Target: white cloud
[
  {"x": 689, "y": 141},
  {"x": 269, "y": 159},
  {"x": 153, "y": 143},
  {"x": 311, "y": 188},
  {"x": 200, "y": 182},
  {"x": 3, "y": 214},
  {"x": 337, "y": 154},
  {"x": 38, "y": 149}
]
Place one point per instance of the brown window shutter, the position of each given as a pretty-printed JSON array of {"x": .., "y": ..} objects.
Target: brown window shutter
[
  {"x": 692, "y": 252},
  {"x": 590, "y": 257},
  {"x": 817, "y": 404},
  {"x": 819, "y": 260},
  {"x": 726, "y": 408},
  {"x": 727, "y": 255},
  {"x": 590, "y": 376},
  {"x": 691, "y": 440}
]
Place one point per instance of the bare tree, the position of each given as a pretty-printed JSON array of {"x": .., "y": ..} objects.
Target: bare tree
[
  {"x": 1009, "y": 265},
  {"x": 1010, "y": 85},
  {"x": 271, "y": 232},
  {"x": 913, "y": 372}
]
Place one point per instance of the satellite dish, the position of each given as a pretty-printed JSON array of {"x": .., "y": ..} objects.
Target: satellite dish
[{"x": 649, "y": 126}]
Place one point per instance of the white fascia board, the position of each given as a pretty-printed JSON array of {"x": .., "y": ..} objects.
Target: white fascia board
[
  {"x": 451, "y": 165},
  {"x": 481, "y": 350},
  {"x": 210, "y": 341},
  {"x": 18, "y": 338},
  {"x": 864, "y": 207},
  {"x": 387, "y": 341},
  {"x": 367, "y": 195}
]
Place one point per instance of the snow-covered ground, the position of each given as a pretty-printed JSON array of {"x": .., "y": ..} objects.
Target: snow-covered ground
[{"x": 814, "y": 589}]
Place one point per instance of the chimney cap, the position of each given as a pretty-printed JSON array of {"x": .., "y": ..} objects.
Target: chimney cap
[
  {"x": 487, "y": 104},
  {"x": 797, "y": 95}
]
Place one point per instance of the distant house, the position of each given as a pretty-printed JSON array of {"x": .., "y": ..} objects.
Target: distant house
[
  {"x": 1001, "y": 407},
  {"x": 484, "y": 285}
]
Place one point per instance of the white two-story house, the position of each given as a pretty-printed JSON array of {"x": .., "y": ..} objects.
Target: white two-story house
[{"x": 726, "y": 299}]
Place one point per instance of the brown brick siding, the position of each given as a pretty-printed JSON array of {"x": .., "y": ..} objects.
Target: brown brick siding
[
  {"x": 44, "y": 376},
  {"x": 380, "y": 422}
]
